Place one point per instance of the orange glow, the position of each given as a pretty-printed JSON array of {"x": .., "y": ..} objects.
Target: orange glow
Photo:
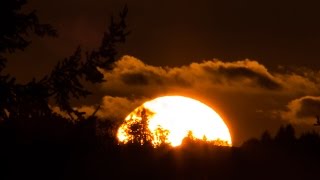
[{"x": 178, "y": 116}]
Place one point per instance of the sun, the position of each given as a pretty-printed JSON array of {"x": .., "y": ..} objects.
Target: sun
[{"x": 176, "y": 117}]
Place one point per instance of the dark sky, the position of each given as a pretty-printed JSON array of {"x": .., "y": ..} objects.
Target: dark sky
[{"x": 177, "y": 33}]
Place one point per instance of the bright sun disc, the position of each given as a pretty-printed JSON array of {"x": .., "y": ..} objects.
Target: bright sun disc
[{"x": 179, "y": 116}]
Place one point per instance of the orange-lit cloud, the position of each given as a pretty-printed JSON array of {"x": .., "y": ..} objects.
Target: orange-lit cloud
[
  {"x": 302, "y": 110},
  {"x": 133, "y": 77},
  {"x": 112, "y": 108}
]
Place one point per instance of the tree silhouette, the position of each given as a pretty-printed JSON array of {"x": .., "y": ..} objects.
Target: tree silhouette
[
  {"x": 266, "y": 139},
  {"x": 191, "y": 139},
  {"x": 286, "y": 135},
  {"x": 75, "y": 68},
  {"x": 17, "y": 26},
  {"x": 138, "y": 130},
  {"x": 14, "y": 32},
  {"x": 160, "y": 136},
  {"x": 27, "y": 120},
  {"x": 65, "y": 81}
]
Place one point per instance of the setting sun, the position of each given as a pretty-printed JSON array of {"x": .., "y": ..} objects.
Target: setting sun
[{"x": 178, "y": 116}]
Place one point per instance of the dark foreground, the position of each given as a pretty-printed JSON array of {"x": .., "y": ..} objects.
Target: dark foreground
[{"x": 83, "y": 154}]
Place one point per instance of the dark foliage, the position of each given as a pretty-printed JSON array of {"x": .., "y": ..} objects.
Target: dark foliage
[
  {"x": 65, "y": 81},
  {"x": 17, "y": 26}
]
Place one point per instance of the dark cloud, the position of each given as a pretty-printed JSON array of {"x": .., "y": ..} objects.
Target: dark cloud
[
  {"x": 238, "y": 73},
  {"x": 242, "y": 72},
  {"x": 141, "y": 78},
  {"x": 132, "y": 76},
  {"x": 310, "y": 107},
  {"x": 303, "y": 110},
  {"x": 134, "y": 79}
]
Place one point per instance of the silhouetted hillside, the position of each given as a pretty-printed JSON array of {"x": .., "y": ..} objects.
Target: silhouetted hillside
[{"x": 82, "y": 154}]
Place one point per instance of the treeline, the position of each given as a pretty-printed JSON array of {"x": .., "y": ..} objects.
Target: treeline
[{"x": 85, "y": 150}]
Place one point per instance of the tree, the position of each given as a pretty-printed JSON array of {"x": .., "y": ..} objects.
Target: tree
[
  {"x": 14, "y": 32},
  {"x": 65, "y": 81},
  {"x": 138, "y": 130},
  {"x": 190, "y": 139},
  {"x": 160, "y": 136},
  {"x": 26, "y": 117},
  {"x": 266, "y": 138},
  {"x": 16, "y": 26},
  {"x": 286, "y": 135}
]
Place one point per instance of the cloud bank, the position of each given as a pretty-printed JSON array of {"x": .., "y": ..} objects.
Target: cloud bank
[
  {"x": 250, "y": 97},
  {"x": 131, "y": 76},
  {"x": 245, "y": 80}
]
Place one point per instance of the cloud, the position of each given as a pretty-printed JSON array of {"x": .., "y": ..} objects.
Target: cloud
[
  {"x": 132, "y": 77},
  {"x": 299, "y": 84},
  {"x": 112, "y": 108},
  {"x": 246, "y": 72},
  {"x": 302, "y": 110}
]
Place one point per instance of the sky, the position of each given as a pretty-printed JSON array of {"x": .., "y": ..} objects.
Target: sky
[{"x": 255, "y": 62}]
